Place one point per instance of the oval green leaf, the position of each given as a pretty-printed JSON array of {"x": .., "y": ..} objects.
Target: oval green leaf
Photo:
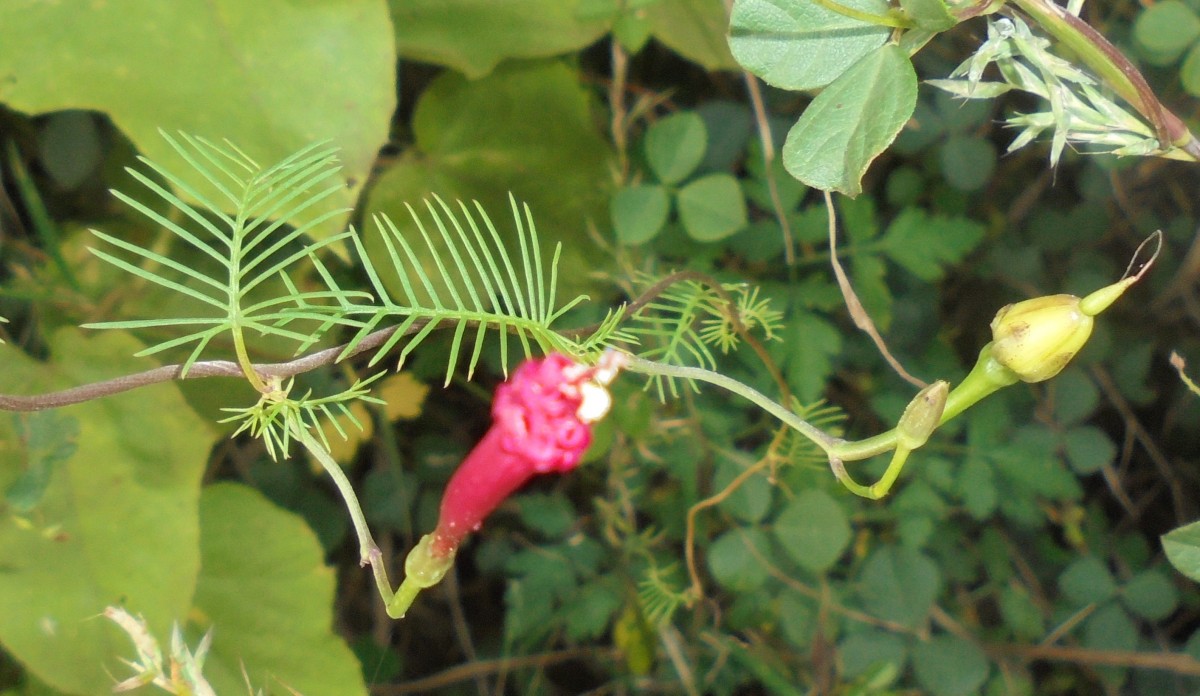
[
  {"x": 846, "y": 127},
  {"x": 675, "y": 145},
  {"x": 814, "y": 530},
  {"x": 712, "y": 208},
  {"x": 797, "y": 44},
  {"x": 639, "y": 213}
]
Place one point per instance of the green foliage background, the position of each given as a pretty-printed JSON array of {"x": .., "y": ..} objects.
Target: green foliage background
[{"x": 1018, "y": 554}]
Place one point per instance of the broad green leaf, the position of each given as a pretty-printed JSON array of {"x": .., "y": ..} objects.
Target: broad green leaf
[
  {"x": 735, "y": 559},
  {"x": 899, "y": 584},
  {"x": 272, "y": 76},
  {"x": 695, "y": 29},
  {"x": 977, "y": 487},
  {"x": 749, "y": 502},
  {"x": 1150, "y": 595},
  {"x": 797, "y": 44},
  {"x": 853, "y": 120},
  {"x": 1165, "y": 29},
  {"x": 48, "y": 439},
  {"x": 814, "y": 530},
  {"x": 1030, "y": 460},
  {"x": 591, "y": 611},
  {"x": 1087, "y": 581},
  {"x": 1183, "y": 549},
  {"x": 117, "y": 523},
  {"x": 870, "y": 649},
  {"x": 639, "y": 212},
  {"x": 1189, "y": 72},
  {"x": 949, "y": 666},
  {"x": 933, "y": 15},
  {"x": 924, "y": 245},
  {"x": 1088, "y": 449},
  {"x": 526, "y": 129},
  {"x": 1110, "y": 628},
  {"x": 1021, "y": 614},
  {"x": 968, "y": 161},
  {"x": 808, "y": 346},
  {"x": 712, "y": 207},
  {"x": 551, "y": 515},
  {"x": 267, "y": 594},
  {"x": 868, "y": 276},
  {"x": 473, "y": 36},
  {"x": 675, "y": 145}
]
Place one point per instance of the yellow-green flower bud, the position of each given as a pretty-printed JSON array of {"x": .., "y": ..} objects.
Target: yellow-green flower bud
[
  {"x": 1038, "y": 337},
  {"x": 922, "y": 415}
]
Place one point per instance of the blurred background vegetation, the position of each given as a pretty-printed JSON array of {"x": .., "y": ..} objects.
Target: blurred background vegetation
[{"x": 1019, "y": 554}]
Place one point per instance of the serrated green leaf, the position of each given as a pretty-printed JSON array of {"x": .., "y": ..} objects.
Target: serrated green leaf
[
  {"x": 949, "y": 666},
  {"x": 1182, "y": 546},
  {"x": 217, "y": 75},
  {"x": 589, "y": 614},
  {"x": 977, "y": 488},
  {"x": 808, "y": 346},
  {"x": 924, "y": 245},
  {"x": 551, "y": 515},
  {"x": 712, "y": 208},
  {"x": 814, "y": 530},
  {"x": 868, "y": 276},
  {"x": 797, "y": 44},
  {"x": 851, "y": 121},
  {"x": 675, "y": 145},
  {"x": 899, "y": 584},
  {"x": 639, "y": 212},
  {"x": 473, "y": 36}
]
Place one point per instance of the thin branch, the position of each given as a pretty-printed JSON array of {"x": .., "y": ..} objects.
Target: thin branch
[{"x": 857, "y": 312}]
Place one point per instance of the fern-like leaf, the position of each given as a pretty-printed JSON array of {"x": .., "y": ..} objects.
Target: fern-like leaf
[
  {"x": 248, "y": 247},
  {"x": 482, "y": 287}
]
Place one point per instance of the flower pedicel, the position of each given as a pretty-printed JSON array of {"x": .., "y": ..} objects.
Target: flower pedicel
[{"x": 541, "y": 423}]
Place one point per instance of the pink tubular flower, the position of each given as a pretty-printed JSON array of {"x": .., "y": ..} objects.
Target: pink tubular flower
[{"x": 541, "y": 422}]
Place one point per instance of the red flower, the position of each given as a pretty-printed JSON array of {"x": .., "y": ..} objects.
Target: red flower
[
  {"x": 541, "y": 422},
  {"x": 536, "y": 429}
]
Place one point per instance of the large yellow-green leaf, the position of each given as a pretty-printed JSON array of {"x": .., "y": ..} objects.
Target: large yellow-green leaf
[
  {"x": 695, "y": 29},
  {"x": 527, "y": 129},
  {"x": 473, "y": 36},
  {"x": 268, "y": 595},
  {"x": 117, "y": 523},
  {"x": 270, "y": 75}
]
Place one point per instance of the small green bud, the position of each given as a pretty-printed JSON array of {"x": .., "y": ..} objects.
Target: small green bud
[
  {"x": 1038, "y": 337},
  {"x": 922, "y": 415}
]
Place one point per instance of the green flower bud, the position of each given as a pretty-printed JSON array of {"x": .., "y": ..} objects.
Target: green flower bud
[
  {"x": 1037, "y": 338},
  {"x": 922, "y": 415}
]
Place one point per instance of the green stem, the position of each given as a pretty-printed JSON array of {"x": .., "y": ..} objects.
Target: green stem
[
  {"x": 368, "y": 551},
  {"x": 984, "y": 379},
  {"x": 649, "y": 367}
]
